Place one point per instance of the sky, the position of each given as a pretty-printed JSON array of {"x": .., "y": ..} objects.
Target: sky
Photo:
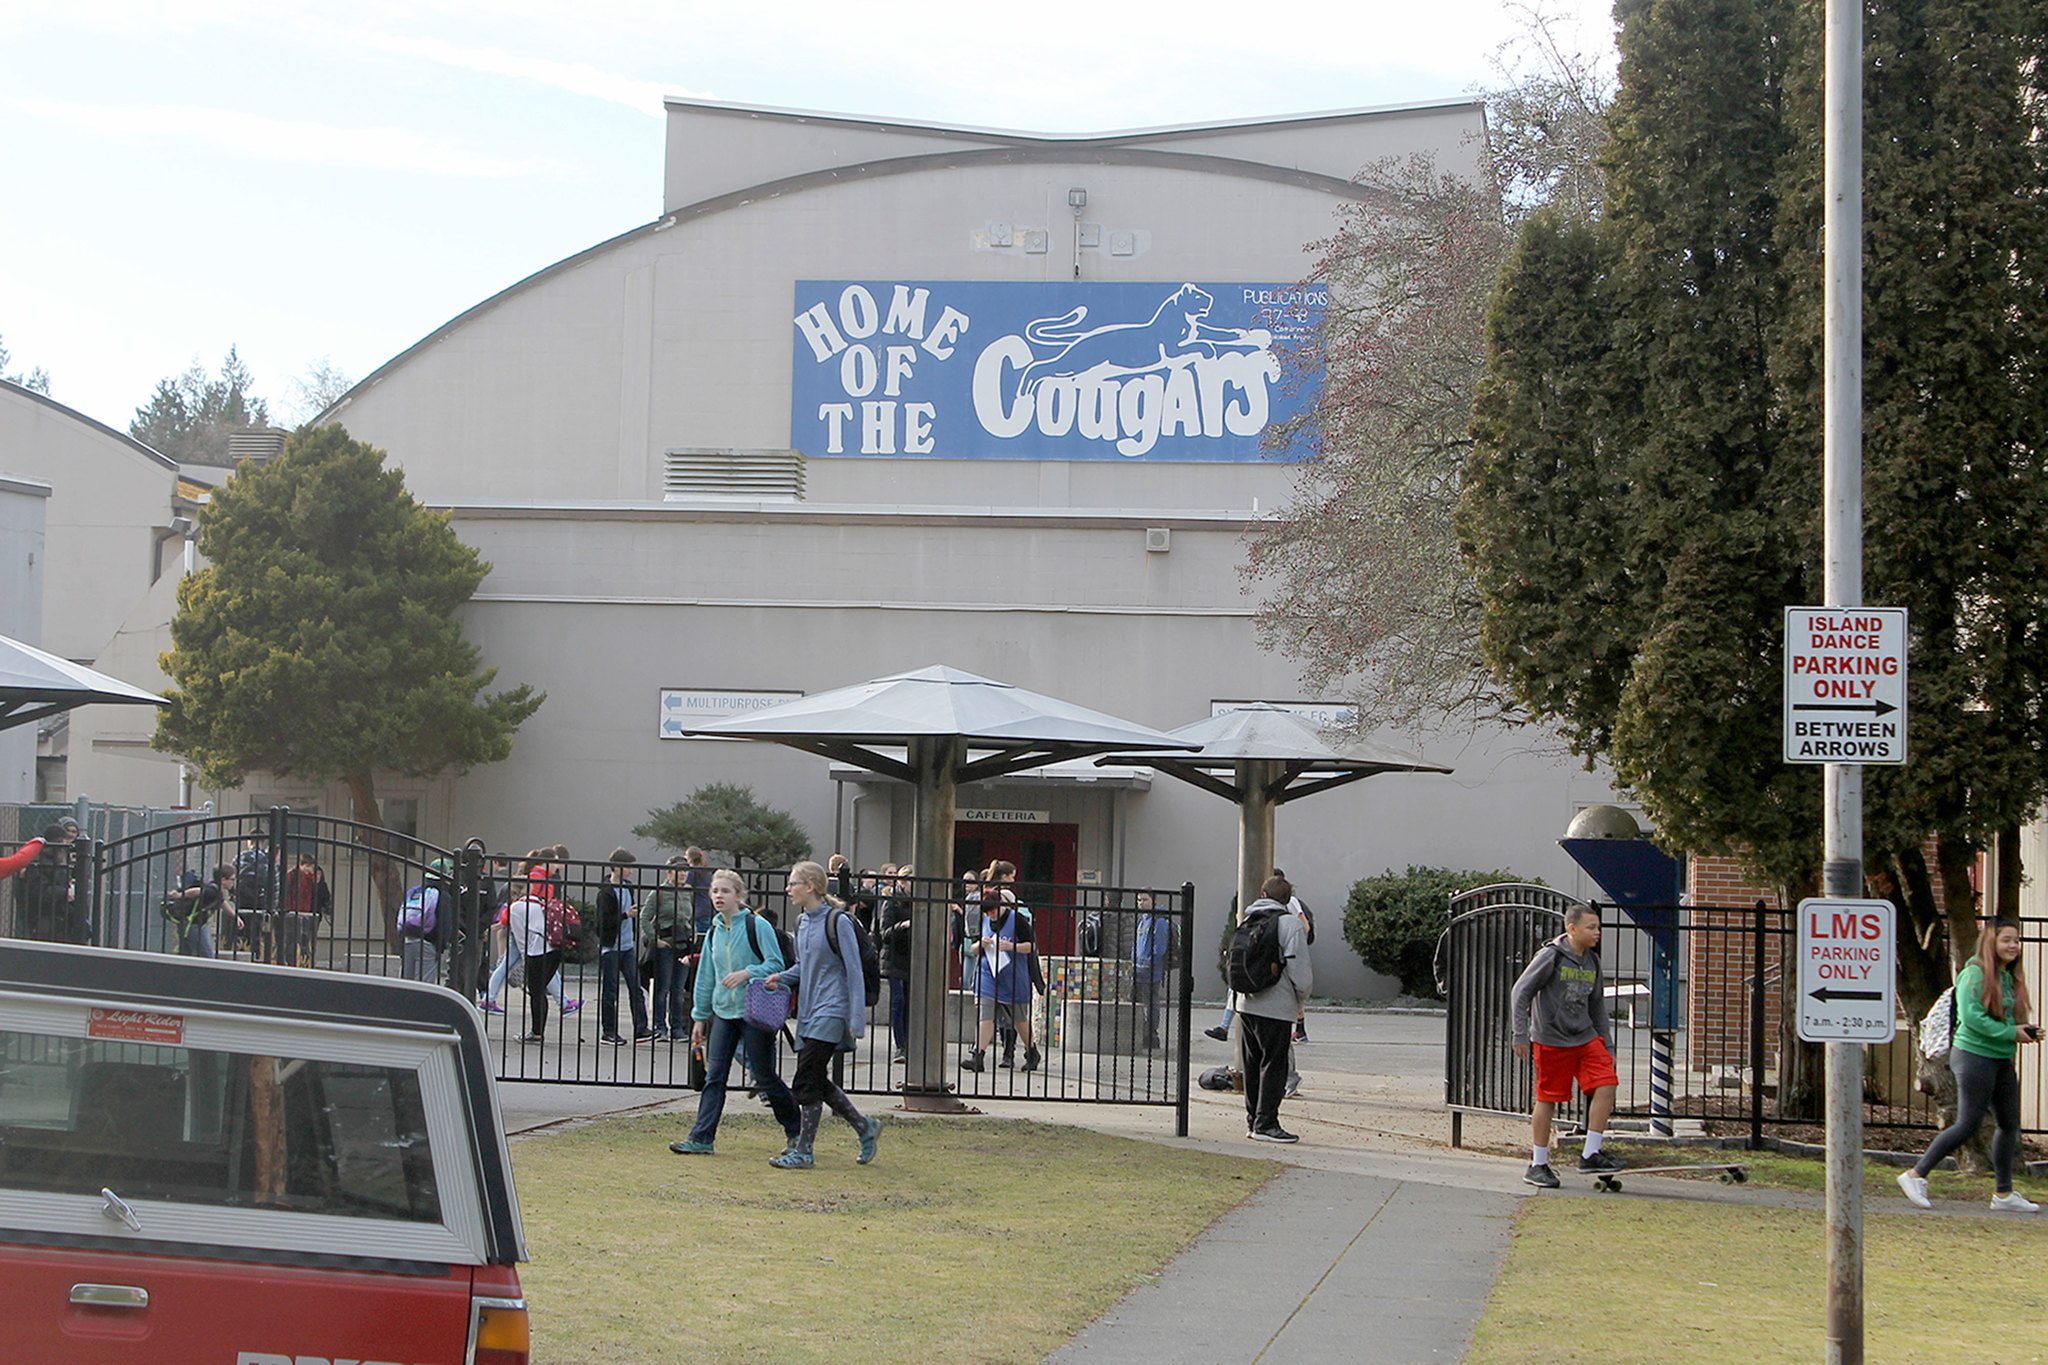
[{"x": 328, "y": 183}]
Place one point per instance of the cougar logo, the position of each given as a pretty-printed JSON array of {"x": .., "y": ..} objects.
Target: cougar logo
[{"x": 1174, "y": 333}]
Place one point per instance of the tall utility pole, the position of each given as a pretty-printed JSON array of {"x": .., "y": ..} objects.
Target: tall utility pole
[{"x": 1842, "y": 873}]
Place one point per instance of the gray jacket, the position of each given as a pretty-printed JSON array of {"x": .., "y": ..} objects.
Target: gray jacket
[
  {"x": 1285, "y": 997},
  {"x": 1563, "y": 991}
]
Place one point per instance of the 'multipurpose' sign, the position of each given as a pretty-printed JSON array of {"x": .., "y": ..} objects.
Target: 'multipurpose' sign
[{"x": 1047, "y": 370}]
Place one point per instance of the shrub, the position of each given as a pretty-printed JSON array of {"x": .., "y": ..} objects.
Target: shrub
[{"x": 1393, "y": 922}]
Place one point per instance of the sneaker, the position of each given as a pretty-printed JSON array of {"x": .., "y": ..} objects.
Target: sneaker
[
  {"x": 1300, "y": 1034},
  {"x": 1219, "y": 1033},
  {"x": 1031, "y": 1059},
  {"x": 1274, "y": 1134},
  {"x": 647, "y": 1037},
  {"x": 1914, "y": 1186},
  {"x": 1542, "y": 1177},
  {"x": 571, "y": 1006},
  {"x": 973, "y": 1061},
  {"x": 1601, "y": 1161},
  {"x": 690, "y": 1147},
  {"x": 493, "y": 1007},
  {"x": 2012, "y": 1201},
  {"x": 614, "y": 1039},
  {"x": 531, "y": 1038},
  {"x": 1293, "y": 1088},
  {"x": 869, "y": 1136},
  {"x": 660, "y": 1035},
  {"x": 899, "y": 1056},
  {"x": 1009, "y": 1062},
  {"x": 793, "y": 1160}
]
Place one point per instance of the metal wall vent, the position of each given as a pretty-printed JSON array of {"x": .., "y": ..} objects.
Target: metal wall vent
[{"x": 756, "y": 474}]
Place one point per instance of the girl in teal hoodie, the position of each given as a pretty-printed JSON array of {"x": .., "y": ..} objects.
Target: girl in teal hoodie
[
  {"x": 738, "y": 948},
  {"x": 1991, "y": 1021}
]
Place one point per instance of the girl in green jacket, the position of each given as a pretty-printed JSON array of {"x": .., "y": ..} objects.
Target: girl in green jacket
[{"x": 1991, "y": 1021}]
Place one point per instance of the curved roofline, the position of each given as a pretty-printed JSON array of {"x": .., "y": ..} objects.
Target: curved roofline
[
  {"x": 1013, "y": 136},
  {"x": 123, "y": 437},
  {"x": 1027, "y": 153}
]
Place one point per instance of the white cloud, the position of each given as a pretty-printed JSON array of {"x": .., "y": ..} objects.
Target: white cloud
[{"x": 271, "y": 139}]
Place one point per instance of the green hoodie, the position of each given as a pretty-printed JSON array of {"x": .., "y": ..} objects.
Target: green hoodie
[
  {"x": 729, "y": 948},
  {"x": 1976, "y": 1030}
]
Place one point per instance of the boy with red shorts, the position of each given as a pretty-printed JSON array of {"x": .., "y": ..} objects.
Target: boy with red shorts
[{"x": 1561, "y": 987}]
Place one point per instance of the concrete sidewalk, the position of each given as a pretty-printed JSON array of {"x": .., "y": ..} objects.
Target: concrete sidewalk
[{"x": 1314, "y": 1267}]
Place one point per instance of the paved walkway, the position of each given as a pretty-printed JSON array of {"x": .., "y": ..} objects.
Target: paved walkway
[{"x": 1312, "y": 1268}]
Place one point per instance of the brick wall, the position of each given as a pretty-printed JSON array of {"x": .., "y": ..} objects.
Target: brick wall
[{"x": 1721, "y": 964}]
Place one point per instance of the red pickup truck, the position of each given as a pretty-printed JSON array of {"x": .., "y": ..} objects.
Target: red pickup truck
[{"x": 227, "y": 1164}]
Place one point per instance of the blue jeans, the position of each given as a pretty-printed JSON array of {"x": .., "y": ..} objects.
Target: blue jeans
[
  {"x": 613, "y": 963},
  {"x": 197, "y": 940},
  {"x": 727, "y": 1037},
  {"x": 899, "y": 1012},
  {"x": 671, "y": 1000}
]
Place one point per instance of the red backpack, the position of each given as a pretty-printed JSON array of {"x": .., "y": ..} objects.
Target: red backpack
[{"x": 564, "y": 925}]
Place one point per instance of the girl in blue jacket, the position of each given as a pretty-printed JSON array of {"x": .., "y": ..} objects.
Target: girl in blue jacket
[{"x": 738, "y": 948}]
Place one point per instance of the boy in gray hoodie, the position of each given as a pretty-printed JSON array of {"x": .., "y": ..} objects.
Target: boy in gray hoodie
[
  {"x": 1266, "y": 1020},
  {"x": 1568, "y": 1040}
]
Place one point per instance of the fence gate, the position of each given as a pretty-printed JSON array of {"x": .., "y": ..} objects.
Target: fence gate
[{"x": 1493, "y": 932}]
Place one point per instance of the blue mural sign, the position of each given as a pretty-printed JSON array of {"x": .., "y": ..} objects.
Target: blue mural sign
[{"x": 1046, "y": 370}]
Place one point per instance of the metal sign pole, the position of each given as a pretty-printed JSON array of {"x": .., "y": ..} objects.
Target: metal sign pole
[{"x": 1842, "y": 872}]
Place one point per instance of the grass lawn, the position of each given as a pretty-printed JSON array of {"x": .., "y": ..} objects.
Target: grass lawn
[
  {"x": 1624, "y": 1278},
  {"x": 967, "y": 1240}
]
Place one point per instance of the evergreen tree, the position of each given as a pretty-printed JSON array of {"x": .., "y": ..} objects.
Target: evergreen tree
[
  {"x": 35, "y": 381},
  {"x": 191, "y": 416},
  {"x": 321, "y": 639},
  {"x": 1653, "y": 403},
  {"x": 727, "y": 817}
]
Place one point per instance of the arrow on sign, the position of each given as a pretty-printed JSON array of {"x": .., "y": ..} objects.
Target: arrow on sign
[
  {"x": 1881, "y": 708},
  {"x": 1825, "y": 994}
]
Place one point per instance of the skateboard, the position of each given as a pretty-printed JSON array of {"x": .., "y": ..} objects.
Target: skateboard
[{"x": 1729, "y": 1173}]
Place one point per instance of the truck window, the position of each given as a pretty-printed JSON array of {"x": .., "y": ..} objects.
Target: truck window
[{"x": 228, "y": 1129}]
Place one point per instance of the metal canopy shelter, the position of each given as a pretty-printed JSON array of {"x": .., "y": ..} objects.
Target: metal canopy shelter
[
  {"x": 34, "y": 685},
  {"x": 955, "y": 727},
  {"x": 1260, "y": 757}
]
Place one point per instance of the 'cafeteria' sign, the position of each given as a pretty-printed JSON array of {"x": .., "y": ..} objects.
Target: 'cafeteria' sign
[{"x": 1046, "y": 370}]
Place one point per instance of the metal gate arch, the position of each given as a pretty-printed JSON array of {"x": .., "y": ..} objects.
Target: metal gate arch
[{"x": 1493, "y": 933}]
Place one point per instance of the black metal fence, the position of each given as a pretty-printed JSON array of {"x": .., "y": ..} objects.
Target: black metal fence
[
  {"x": 1096, "y": 1011},
  {"x": 1703, "y": 1034}
]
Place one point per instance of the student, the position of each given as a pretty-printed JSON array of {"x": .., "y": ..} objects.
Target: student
[
  {"x": 1265, "y": 1021},
  {"x": 831, "y": 1014},
  {"x": 1151, "y": 961},
  {"x": 739, "y": 947},
  {"x": 893, "y": 913},
  {"x": 1992, "y": 1005},
  {"x": 618, "y": 927},
  {"x": 526, "y": 920},
  {"x": 671, "y": 918},
  {"x": 1561, "y": 985},
  {"x": 1002, "y": 975}
]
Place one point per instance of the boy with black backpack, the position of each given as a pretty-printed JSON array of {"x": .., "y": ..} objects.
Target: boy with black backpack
[{"x": 1269, "y": 970}]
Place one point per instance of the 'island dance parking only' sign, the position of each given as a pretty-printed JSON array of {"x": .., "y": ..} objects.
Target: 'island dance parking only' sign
[{"x": 1845, "y": 684}]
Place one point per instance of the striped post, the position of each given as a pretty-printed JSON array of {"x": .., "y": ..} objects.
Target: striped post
[{"x": 1660, "y": 1083}]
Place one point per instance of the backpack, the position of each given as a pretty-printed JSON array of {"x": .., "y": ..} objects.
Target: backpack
[
  {"x": 1255, "y": 959},
  {"x": 1308, "y": 920},
  {"x": 252, "y": 879},
  {"x": 564, "y": 927},
  {"x": 870, "y": 958},
  {"x": 782, "y": 941},
  {"x": 1938, "y": 1029},
  {"x": 421, "y": 913}
]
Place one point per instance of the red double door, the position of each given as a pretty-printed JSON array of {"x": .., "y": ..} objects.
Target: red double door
[{"x": 1047, "y": 859}]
